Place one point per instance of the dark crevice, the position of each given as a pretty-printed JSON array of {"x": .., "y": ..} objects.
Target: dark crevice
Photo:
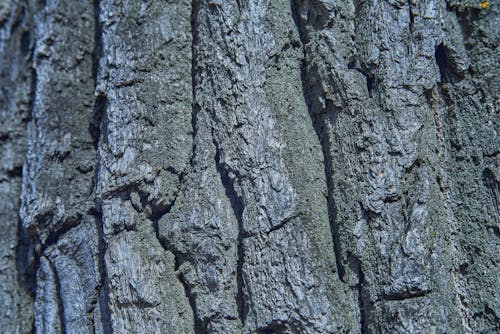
[
  {"x": 352, "y": 64},
  {"x": 236, "y": 201},
  {"x": 96, "y": 127},
  {"x": 363, "y": 305},
  {"x": 18, "y": 18},
  {"x": 33, "y": 87},
  {"x": 412, "y": 16},
  {"x": 59, "y": 297},
  {"x": 294, "y": 7},
  {"x": 282, "y": 223},
  {"x": 332, "y": 211},
  {"x": 319, "y": 122},
  {"x": 493, "y": 189},
  {"x": 54, "y": 236},
  {"x": 96, "y": 120},
  {"x": 237, "y": 205},
  {"x": 291, "y": 325},
  {"x": 440, "y": 183},
  {"x": 447, "y": 68},
  {"x": 179, "y": 259},
  {"x": 15, "y": 172},
  {"x": 26, "y": 44},
  {"x": 194, "y": 126},
  {"x": 98, "y": 42},
  {"x": 199, "y": 326},
  {"x": 122, "y": 191},
  {"x": 275, "y": 327},
  {"x": 27, "y": 262},
  {"x": 370, "y": 81},
  {"x": 406, "y": 295},
  {"x": 139, "y": 304},
  {"x": 102, "y": 290}
]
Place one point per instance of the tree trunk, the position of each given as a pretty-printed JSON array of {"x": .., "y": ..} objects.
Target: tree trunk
[{"x": 258, "y": 166}]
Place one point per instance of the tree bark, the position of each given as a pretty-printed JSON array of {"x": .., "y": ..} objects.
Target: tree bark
[{"x": 284, "y": 166}]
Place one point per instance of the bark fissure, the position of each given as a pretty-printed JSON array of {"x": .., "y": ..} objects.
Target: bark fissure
[
  {"x": 435, "y": 99},
  {"x": 406, "y": 296},
  {"x": 315, "y": 167},
  {"x": 98, "y": 117},
  {"x": 283, "y": 223},
  {"x": 319, "y": 123},
  {"x": 95, "y": 129},
  {"x": 102, "y": 293},
  {"x": 27, "y": 261},
  {"x": 363, "y": 304},
  {"x": 54, "y": 236},
  {"x": 332, "y": 215},
  {"x": 237, "y": 205},
  {"x": 59, "y": 296},
  {"x": 199, "y": 327},
  {"x": 98, "y": 42},
  {"x": 27, "y": 258},
  {"x": 179, "y": 259},
  {"x": 33, "y": 88}
]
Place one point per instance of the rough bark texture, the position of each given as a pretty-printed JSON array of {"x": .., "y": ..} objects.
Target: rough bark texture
[{"x": 258, "y": 166}]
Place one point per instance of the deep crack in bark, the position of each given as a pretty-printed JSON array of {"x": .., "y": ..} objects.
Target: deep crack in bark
[
  {"x": 60, "y": 303},
  {"x": 406, "y": 296},
  {"x": 95, "y": 129},
  {"x": 363, "y": 306},
  {"x": 180, "y": 258},
  {"x": 319, "y": 123},
  {"x": 27, "y": 261},
  {"x": 237, "y": 206}
]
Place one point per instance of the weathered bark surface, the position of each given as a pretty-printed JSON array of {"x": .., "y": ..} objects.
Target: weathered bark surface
[
  {"x": 16, "y": 81},
  {"x": 259, "y": 166}
]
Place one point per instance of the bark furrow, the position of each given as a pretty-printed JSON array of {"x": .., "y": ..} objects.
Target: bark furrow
[{"x": 258, "y": 166}]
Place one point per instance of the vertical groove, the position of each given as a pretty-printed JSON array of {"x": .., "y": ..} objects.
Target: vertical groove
[
  {"x": 59, "y": 296},
  {"x": 179, "y": 258},
  {"x": 236, "y": 201},
  {"x": 435, "y": 101},
  {"x": 178, "y": 261},
  {"x": 237, "y": 207},
  {"x": 100, "y": 102},
  {"x": 198, "y": 324},
  {"x": 332, "y": 213},
  {"x": 102, "y": 293},
  {"x": 27, "y": 261},
  {"x": 319, "y": 124},
  {"x": 97, "y": 54},
  {"x": 95, "y": 127},
  {"x": 362, "y": 304}
]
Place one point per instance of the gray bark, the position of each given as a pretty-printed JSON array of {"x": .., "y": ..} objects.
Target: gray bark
[{"x": 303, "y": 166}]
